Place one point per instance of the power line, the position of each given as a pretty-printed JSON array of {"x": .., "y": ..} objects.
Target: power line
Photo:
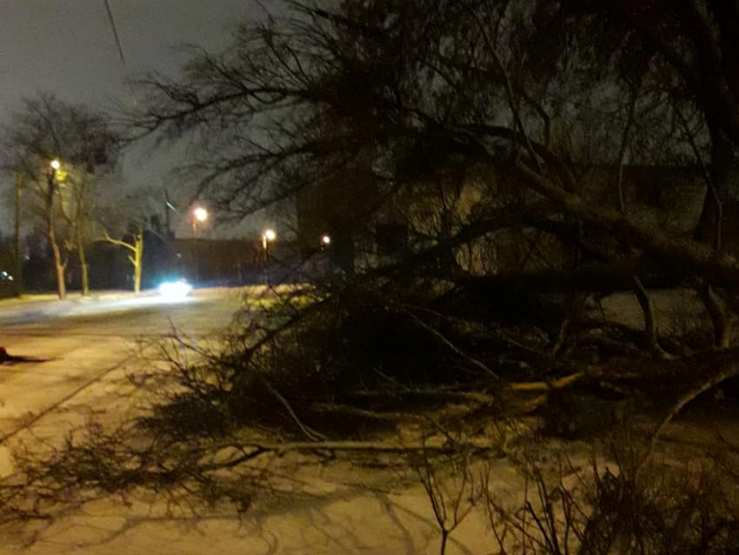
[{"x": 115, "y": 32}]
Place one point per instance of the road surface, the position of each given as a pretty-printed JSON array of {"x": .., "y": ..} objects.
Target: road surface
[
  {"x": 74, "y": 344},
  {"x": 85, "y": 353},
  {"x": 77, "y": 342}
]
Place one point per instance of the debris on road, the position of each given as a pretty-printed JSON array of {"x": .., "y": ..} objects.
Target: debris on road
[{"x": 7, "y": 358}]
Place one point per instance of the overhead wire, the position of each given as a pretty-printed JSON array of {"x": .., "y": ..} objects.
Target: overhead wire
[{"x": 113, "y": 27}]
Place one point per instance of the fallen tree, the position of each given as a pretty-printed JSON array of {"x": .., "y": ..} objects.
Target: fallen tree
[{"x": 464, "y": 254}]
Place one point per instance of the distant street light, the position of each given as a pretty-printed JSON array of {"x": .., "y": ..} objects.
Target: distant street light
[
  {"x": 325, "y": 240},
  {"x": 58, "y": 173},
  {"x": 199, "y": 216},
  {"x": 268, "y": 236}
]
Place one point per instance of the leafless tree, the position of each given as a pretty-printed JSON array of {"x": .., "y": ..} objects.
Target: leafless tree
[
  {"x": 433, "y": 101},
  {"x": 133, "y": 242},
  {"x": 45, "y": 131}
]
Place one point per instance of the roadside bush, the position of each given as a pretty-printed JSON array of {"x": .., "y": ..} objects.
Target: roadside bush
[
  {"x": 635, "y": 505},
  {"x": 289, "y": 363},
  {"x": 306, "y": 356}
]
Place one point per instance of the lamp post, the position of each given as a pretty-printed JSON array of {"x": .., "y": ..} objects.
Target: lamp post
[
  {"x": 268, "y": 236},
  {"x": 51, "y": 178},
  {"x": 18, "y": 247}
]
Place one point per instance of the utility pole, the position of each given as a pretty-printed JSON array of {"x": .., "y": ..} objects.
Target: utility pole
[
  {"x": 167, "y": 218},
  {"x": 18, "y": 247}
]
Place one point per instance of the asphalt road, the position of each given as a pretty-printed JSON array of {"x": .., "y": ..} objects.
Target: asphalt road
[
  {"x": 89, "y": 350},
  {"x": 73, "y": 345},
  {"x": 86, "y": 353}
]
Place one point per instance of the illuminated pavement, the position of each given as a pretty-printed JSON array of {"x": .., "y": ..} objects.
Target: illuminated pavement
[
  {"x": 91, "y": 352},
  {"x": 75, "y": 344}
]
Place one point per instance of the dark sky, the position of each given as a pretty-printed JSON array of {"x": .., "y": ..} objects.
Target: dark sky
[{"x": 67, "y": 47}]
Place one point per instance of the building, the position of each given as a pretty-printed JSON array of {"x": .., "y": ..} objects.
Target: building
[{"x": 424, "y": 214}]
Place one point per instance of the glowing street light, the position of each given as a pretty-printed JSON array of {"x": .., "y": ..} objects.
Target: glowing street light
[
  {"x": 53, "y": 175},
  {"x": 200, "y": 214},
  {"x": 56, "y": 172},
  {"x": 268, "y": 236},
  {"x": 325, "y": 240}
]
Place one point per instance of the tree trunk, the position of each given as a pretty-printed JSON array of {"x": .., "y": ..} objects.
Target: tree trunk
[
  {"x": 58, "y": 266},
  {"x": 135, "y": 247},
  {"x": 710, "y": 229},
  {"x": 18, "y": 249},
  {"x": 676, "y": 253},
  {"x": 720, "y": 316},
  {"x": 51, "y": 237},
  {"x": 650, "y": 321},
  {"x": 723, "y": 164},
  {"x": 138, "y": 261},
  {"x": 84, "y": 268}
]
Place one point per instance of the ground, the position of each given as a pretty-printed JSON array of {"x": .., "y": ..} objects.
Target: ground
[
  {"x": 75, "y": 345},
  {"x": 83, "y": 353}
]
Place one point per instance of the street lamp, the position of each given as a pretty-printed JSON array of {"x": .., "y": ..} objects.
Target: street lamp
[
  {"x": 51, "y": 176},
  {"x": 57, "y": 172},
  {"x": 325, "y": 240},
  {"x": 199, "y": 216},
  {"x": 268, "y": 236}
]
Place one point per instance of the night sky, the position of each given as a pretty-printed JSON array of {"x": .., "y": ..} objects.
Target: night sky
[{"x": 67, "y": 47}]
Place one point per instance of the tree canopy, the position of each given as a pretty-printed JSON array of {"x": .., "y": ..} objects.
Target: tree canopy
[
  {"x": 538, "y": 90},
  {"x": 485, "y": 172}
]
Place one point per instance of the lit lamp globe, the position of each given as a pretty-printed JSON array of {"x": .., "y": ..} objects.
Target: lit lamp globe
[
  {"x": 200, "y": 214},
  {"x": 267, "y": 236}
]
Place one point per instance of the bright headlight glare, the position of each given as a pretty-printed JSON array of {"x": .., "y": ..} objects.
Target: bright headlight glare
[{"x": 175, "y": 289}]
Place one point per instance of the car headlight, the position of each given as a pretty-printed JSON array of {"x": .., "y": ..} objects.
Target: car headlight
[{"x": 174, "y": 290}]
